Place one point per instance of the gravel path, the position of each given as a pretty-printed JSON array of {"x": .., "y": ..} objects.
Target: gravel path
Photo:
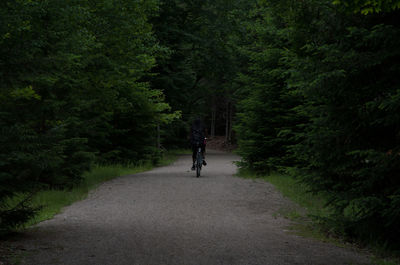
[{"x": 167, "y": 216}]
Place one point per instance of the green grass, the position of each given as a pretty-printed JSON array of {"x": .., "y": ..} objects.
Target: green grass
[
  {"x": 170, "y": 156},
  {"x": 311, "y": 205},
  {"x": 52, "y": 201},
  {"x": 384, "y": 261},
  {"x": 314, "y": 205}
]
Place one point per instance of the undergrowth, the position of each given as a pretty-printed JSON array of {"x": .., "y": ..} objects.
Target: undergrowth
[
  {"x": 312, "y": 208},
  {"x": 52, "y": 201}
]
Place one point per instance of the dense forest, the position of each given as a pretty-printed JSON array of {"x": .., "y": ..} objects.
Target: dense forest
[{"x": 305, "y": 88}]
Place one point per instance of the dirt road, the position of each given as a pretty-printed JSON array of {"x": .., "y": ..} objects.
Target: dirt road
[{"x": 167, "y": 216}]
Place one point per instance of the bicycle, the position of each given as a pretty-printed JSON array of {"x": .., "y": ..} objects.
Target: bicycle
[{"x": 199, "y": 161}]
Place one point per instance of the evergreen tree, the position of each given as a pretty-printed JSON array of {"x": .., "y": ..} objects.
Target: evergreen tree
[
  {"x": 333, "y": 73},
  {"x": 74, "y": 87}
]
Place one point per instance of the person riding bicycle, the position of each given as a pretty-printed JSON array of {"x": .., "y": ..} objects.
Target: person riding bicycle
[{"x": 198, "y": 139}]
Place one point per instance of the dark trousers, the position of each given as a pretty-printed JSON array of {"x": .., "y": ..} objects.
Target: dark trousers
[{"x": 194, "y": 149}]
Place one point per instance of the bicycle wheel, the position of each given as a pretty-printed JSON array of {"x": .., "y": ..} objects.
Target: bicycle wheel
[
  {"x": 199, "y": 162},
  {"x": 198, "y": 169}
]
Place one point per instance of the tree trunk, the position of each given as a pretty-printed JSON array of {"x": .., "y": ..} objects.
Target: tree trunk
[
  {"x": 158, "y": 137},
  {"x": 213, "y": 117},
  {"x": 227, "y": 122},
  {"x": 230, "y": 122}
]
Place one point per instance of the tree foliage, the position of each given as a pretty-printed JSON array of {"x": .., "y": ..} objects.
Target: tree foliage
[
  {"x": 314, "y": 85},
  {"x": 74, "y": 88},
  {"x": 322, "y": 91},
  {"x": 368, "y": 6},
  {"x": 199, "y": 64}
]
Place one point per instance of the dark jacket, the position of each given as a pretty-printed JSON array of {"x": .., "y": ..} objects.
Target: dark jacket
[{"x": 197, "y": 132}]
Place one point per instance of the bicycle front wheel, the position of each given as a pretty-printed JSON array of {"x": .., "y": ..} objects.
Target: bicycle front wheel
[
  {"x": 198, "y": 169},
  {"x": 199, "y": 161}
]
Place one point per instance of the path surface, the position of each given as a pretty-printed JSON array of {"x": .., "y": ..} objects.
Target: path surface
[{"x": 167, "y": 216}]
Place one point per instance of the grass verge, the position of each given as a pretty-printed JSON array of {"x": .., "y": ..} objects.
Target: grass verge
[
  {"x": 52, "y": 201},
  {"x": 311, "y": 205},
  {"x": 307, "y": 204},
  {"x": 170, "y": 156}
]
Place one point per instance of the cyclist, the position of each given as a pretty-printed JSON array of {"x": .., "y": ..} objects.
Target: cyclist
[{"x": 197, "y": 138}]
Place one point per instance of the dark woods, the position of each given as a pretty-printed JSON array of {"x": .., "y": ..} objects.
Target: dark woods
[
  {"x": 309, "y": 88},
  {"x": 320, "y": 99},
  {"x": 74, "y": 90}
]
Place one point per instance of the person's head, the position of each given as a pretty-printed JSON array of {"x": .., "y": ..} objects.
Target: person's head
[{"x": 197, "y": 121}]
